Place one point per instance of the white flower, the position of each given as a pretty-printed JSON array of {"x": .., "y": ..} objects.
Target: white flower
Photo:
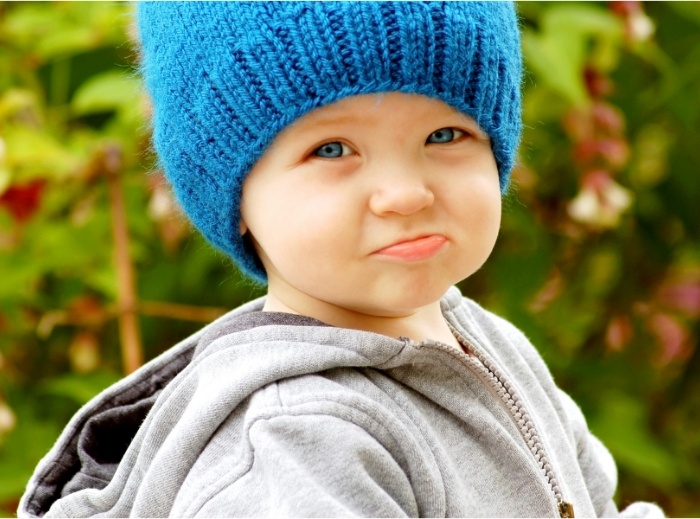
[
  {"x": 7, "y": 418},
  {"x": 601, "y": 201},
  {"x": 640, "y": 27},
  {"x": 161, "y": 205}
]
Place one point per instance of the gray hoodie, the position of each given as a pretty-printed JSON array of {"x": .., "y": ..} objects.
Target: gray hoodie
[{"x": 275, "y": 414}]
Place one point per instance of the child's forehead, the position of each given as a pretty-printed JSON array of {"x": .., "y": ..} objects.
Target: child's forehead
[{"x": 366, "y": 108}]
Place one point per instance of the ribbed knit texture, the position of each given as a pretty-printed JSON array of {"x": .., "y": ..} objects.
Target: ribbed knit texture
[{"x": 226, "y": 77}]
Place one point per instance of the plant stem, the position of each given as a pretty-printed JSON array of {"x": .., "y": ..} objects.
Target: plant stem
[
  {"x": 127, "y": 302},
  {"x": 183, "y": 312}
]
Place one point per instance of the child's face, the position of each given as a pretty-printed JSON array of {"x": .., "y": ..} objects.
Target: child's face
[{"x": 376, "y": 204}]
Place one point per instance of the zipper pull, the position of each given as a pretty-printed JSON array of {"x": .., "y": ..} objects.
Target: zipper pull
[{"x": 566, "y": 510}]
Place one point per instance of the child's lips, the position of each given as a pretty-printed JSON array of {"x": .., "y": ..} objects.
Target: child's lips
[{"x": 415, "y": 249}]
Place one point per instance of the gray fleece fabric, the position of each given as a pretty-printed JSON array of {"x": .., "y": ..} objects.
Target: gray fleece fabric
[{"x": 269, "y": 414}]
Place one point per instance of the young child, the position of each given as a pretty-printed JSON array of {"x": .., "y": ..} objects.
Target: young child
[{"x": 352, "y": 156}]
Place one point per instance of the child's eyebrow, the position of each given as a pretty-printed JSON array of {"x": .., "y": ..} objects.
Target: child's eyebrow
[
  {"x": 320, "y": 122},
  {"x": 329, "y": 120}
]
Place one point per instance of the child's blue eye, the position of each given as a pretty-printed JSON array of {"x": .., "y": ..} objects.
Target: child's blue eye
[
  {"x": 443, "y": 135},
  {"x": 332, "y": 150}
]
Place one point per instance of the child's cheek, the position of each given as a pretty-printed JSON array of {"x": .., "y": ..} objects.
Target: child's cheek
[{"x": 309, "y": 232}]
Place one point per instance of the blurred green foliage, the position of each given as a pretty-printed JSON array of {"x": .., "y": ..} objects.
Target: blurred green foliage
[{"x": 598, "y": 260}]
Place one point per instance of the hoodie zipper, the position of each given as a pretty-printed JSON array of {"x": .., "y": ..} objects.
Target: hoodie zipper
[{"x": 490, "y": 373}]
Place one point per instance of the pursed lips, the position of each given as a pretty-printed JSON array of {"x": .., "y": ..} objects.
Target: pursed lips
[{"x": 418, "y": 248}]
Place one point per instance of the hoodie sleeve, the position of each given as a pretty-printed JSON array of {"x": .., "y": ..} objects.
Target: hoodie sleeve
[
  {"x": 599, "y": 470},
  {"x": 597, "y": 465},
  {"x": 595, "y": 461},
  {"x": 300, "y": 468}
]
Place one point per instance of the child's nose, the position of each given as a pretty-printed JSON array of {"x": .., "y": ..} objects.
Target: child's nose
[{"x": 403, "y": 191}]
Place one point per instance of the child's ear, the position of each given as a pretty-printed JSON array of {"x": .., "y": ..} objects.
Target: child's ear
[{"x": 242, "y": 227}]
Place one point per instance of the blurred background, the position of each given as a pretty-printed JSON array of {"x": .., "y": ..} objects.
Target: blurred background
[{"x": 598, "y": 261}]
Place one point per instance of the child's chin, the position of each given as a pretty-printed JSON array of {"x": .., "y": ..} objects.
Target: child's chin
[{"x": 403, "y": 303}]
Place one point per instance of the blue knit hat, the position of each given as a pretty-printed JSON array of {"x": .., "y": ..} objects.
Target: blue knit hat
[{"x": 227, "y": 77}]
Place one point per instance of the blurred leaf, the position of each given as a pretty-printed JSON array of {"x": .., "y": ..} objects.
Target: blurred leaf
[
  {"x": 49, "y": 35},
  {"x": 80, "y": 388},
  {"x": 110, "y": 91},
  {"x": 27, "y": 22},
  {"x": 21, "y": 276},
  {"x": 689, "y": 10},
  {"x": 22, "y": 449},
  {"x": 557, "y": 53},
  {"x": 15, "y": 100},
  {"x": 650, "y": 164},
  {"x": 602, "y": 272},
  {"x": 63, "y": 30},
  {"x": 32, "y": 153},
  {"x": 103, "y": 280},
  {"x": 64, "y": 41},
  {"x": 4, "y": 179},
  {"x": 623, "y": 426}
]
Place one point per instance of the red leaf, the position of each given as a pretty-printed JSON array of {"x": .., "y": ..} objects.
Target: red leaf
[
  {"x": 625, "y": 8},
  {"x": 23, "y": 201},
  {"x": 597, "y": 84}
]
